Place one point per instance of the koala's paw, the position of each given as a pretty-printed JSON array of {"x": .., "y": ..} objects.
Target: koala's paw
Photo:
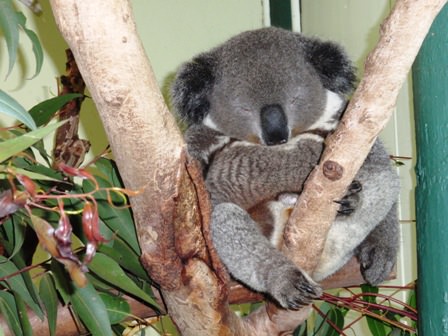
[
  {"x": 294, "y": 290},
  {"x": 350, "y": 201},
  {"x": 376, "y": 262}
]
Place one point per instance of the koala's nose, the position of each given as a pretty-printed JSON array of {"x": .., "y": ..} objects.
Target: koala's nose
[{"x": 274, "y": 125}]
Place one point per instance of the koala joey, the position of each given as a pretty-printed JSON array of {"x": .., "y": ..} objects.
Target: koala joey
[{"x": 257, "y": 107}]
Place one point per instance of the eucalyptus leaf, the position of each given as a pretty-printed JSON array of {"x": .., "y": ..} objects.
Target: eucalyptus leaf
[
  {"x": 37, "y": 168},
  {"x": 47, "y": 291},
  {"x": 123, "y": 254},
  {"x": 109, "y": 270},
  {"x": 23, "y": 316},
  {"x": 32, "y": 175},
  {"x": 14, "y": 146},
  {"x": 109, "y": 168},
  {"x": 336, "y": 316},
  {"x": 15, "y": 233},
  {"x": 117, "y": 308},
  {"x": 10, "y": 107},
  {"x": 8, "y": 310},
  {"x": 17, "y": 284},
  {"x": 88, "y": 305},
  {"x": 376, "y": 327},
  {"x": 9, "y": 24},
  {"x": 62, "y": 281},
  {"x": 333, "y": 315},
  {"x": 37, "y": 48},
  {"x": 44, "y": 111},
  {"x": 300, "y": 330}
]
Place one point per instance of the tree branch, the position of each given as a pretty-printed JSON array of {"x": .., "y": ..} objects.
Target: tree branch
[
  {"x": 172, "y": 206},
  {"x": 386, "y": 68}
]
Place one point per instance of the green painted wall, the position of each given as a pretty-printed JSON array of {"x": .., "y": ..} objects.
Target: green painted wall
[{"x": 430, "y": 73}]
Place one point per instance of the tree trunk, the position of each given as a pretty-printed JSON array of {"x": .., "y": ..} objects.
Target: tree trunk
[{"x": 172, "y": 211}]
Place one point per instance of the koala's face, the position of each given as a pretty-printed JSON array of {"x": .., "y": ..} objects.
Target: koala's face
[{"x": 263, "y": 86}]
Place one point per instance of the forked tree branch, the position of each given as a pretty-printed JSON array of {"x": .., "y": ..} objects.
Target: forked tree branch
[
  {"x": 150, "y": 155},
  {"x": 370, "y": 108}
]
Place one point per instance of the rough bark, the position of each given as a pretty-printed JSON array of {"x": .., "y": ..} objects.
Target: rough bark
[{"x": 173, "y": 205}]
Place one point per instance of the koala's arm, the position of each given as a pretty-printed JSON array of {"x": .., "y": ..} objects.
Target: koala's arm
[
  {"x": 251, "y": 259},
  {"x": 250, "y": 174},
  {"x": 371, "y": 230},
  {"x": 202, "y": 142},
  {"x": 240, "y": 176}
]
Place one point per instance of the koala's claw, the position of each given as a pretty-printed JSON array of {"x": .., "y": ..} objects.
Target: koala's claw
[
  {"x": 295, "y": 290},
  {"x": 350, "y": 201},
  {"x": 345, "y": 207},
  {"x": 355, "y": 187}
]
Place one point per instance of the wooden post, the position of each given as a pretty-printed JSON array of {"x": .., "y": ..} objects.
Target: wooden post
[{"x": 430, "y": 75}]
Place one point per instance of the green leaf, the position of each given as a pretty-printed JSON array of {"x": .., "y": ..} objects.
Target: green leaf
[
  {"x": 109, "y": 270},
  {"x": 110, "y": 170},
  {"x": 91, "y": 309},
  {"x": 23, "y": 316},
  {"x": 123, "y": 254},
  {"x": 12, "y": 108},
  {"x": 36, "y": 168},
  {"x": 13, "y": 146},
  {"x": 37, "y": 48},
  {"x": 9, "y": 24},
  {"x": 32, "y": 175},
  {"x": 44, "y": 111},
  {"x": 15, "y": 232},
  {"x": 117, "y": 308},
  {"x": 376, "y": 327},
  {"x": 301, "y": 330},
  {"x": 8, "y": 309},
  {"x": 47, "y": 291},
  {"x": 62, "y": 281},
  {"x": 17, "y": 284},
  {"x": 119, "y": 220},
  {"x": 333, "y": 314}
]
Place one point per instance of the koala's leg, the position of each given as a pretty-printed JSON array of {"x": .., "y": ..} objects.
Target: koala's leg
[
  {"x": 377, "y": 254},
  {"x": 376, "y": 199},
  {"x": 251, "y": 259}
]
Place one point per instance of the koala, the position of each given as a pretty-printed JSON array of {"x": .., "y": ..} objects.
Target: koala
[{"x": 257, "y": 109}]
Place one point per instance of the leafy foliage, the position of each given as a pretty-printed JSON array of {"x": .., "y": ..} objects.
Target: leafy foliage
[
  {"x": 10, "y": 23},
  {"x": 42, "y": 204},
  {"x": 11, "y": 107}
]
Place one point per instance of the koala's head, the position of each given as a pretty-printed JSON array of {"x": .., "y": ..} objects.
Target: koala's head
[{"x": 265, "y": 86}]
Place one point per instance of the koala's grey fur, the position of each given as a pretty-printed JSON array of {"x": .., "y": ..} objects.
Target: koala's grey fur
[{"x": 272, "y": 87}]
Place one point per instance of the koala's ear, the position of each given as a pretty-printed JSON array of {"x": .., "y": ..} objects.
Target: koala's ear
[
  {"x": 192, "y": 85},
  {"x": 332, "y": 64}
]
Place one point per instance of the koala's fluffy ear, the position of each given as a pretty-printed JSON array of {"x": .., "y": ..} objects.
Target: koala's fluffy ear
[
  {"x": 194, "y": 82},
  {"x": 332, "y": 64}
]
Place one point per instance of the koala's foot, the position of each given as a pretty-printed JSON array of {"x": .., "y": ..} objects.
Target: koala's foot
[
  {"x": 293, "y": 289},
  {"x": 376, "y": 261},
  {"x": 350, "y": 201}
]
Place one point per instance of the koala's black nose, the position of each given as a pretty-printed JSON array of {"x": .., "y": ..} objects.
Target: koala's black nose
[{"x": 274, "y": 125}]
